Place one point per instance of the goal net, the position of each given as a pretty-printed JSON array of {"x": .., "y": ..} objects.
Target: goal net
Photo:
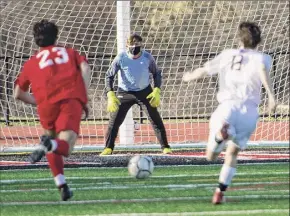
[{"x": 181, "y": 35}]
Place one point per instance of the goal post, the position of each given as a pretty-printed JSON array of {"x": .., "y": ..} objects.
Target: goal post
[
  {"x": 126, "y": 131},
  {"x": 181, "y": 35}
]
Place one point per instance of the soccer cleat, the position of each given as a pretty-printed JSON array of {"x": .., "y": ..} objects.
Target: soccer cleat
[
  {"x": 41, "y": 150},
  {"x": 167, "y": 151},
  {"x": 65, "y": 192},
  {"x": 218, "y": 197},
  {"x": 107, "y": 151}
]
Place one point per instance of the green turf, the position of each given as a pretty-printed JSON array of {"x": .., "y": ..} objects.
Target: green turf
[{"x": 255, "y": 187}]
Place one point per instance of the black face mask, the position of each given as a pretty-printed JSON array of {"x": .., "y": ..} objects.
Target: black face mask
[{"x": 135, "y": 50}]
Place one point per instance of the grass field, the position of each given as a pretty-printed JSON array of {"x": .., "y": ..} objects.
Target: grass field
[{"x": 258, "y": 189}]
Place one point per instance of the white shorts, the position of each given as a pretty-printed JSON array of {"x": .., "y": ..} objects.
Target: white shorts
[{"x": 242, "y": 119}]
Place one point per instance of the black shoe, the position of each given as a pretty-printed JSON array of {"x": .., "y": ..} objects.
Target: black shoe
[
  {"x": 65, "y": 192},
  {"x": 41, "y": 150}
]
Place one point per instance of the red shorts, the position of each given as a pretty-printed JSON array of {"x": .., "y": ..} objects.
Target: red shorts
[{"x": 61, "y": 116}]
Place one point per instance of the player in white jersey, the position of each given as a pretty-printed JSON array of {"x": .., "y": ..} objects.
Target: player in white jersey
[{"x": 241, "y": 73}]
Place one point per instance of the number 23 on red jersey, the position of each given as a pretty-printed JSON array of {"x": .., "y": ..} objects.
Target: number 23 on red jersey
[{"x": 46, "y": 60}]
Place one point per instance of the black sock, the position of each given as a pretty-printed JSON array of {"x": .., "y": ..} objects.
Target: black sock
[{"x": 222, "y": 187}]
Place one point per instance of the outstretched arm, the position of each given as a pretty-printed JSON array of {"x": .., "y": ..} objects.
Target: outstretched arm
[
  {"x": 196, "y": 74},
  {"x": 211, "y": 67}
]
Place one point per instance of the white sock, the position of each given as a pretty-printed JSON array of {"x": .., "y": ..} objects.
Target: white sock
[
  {"x": 59, "y": 180},
  {"x": 226, "y": 175},
  {"x": 53, "y": 145}
]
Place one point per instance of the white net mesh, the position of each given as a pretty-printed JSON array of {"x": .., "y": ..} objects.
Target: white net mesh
[{"x": 180, "y": 35}]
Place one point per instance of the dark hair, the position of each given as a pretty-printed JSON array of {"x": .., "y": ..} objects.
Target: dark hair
[
  {"x": 45, "y": 33},
  {"x": 250, "y": 34},
  {"x": 134, "y": 37}
]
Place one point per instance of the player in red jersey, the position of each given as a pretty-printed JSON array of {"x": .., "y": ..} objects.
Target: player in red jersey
[{"x": 59, "y": 78}]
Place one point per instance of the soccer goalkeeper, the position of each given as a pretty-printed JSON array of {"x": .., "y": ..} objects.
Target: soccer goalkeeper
[{"x": 134, "y": 67}]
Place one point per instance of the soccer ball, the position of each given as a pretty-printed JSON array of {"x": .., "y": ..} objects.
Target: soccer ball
[{"x": 140, "y": 166}]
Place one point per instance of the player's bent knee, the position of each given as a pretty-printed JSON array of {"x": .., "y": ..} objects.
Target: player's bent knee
[
  {"x": 214, "y": 148},
  {"x": 232, "y": 154},
  {"x": 233, "y": 148}
]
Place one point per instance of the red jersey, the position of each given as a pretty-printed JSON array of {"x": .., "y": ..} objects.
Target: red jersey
[{"x": 54, "y": 75}]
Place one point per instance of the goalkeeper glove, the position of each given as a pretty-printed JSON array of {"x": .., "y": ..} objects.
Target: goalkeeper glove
[
  {"x": 113, "y": 102},
  {"x": 154, "y": 97}
]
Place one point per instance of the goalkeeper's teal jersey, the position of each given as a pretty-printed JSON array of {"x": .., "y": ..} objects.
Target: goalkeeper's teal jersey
[{"x": 133, "y": 74}]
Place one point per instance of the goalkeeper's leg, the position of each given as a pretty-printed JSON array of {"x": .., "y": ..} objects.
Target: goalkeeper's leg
[
  {"x": 159, "y": 129},
  {"x": 116, "y": 119},
  {"x": 156, "y": 122}
]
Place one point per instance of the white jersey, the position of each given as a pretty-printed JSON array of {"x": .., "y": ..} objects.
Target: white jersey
[{"x": 238, "y": 71}]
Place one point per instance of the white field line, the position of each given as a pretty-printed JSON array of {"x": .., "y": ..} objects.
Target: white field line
[
  {"x": 157, "y": 166},
  {"x": 246, "y": 155},
  {"x": 148, "y": 146},
  {"x": 137, "y": 186},
  {"x": 240, "y": 212},
  {"x": 8, "y": 181},
  {"x": 229, "y": 198}
]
